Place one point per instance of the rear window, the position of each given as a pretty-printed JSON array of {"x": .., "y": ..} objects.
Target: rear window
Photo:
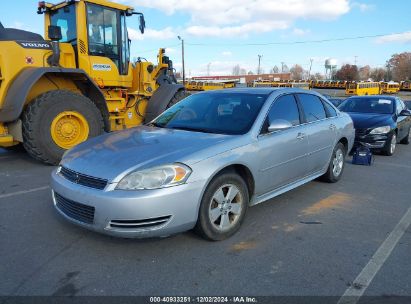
[{"x": 312, "y": 107}]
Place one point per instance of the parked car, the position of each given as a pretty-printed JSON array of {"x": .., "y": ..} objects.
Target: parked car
[
  {"x": 335, "y": 101},
  {"x": 202, "y": 162},
  {"x": 380, "y": 122}
]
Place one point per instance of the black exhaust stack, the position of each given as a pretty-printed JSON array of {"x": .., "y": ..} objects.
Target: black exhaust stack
[{"x": 55, "y": 36}]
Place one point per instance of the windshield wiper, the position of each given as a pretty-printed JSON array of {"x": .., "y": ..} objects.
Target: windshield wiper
[
  {"x": 154, "y": 124},
  {"x": 184, "y": 128}
]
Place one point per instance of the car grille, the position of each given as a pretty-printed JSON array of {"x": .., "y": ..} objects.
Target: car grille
[
  {"x": 139, "y": 224},
  {"x": 84, "y": 180},
  {"x": 74, "y": 210}
]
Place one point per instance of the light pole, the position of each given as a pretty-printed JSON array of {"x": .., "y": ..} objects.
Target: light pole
[
  {"x": 311, "y": 65},
  {"x": 182, "y": 56},
  {"x": 259, "y": 64}
]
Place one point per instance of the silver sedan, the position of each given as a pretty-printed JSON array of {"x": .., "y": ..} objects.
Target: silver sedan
[{"x": 202, "y": 163}]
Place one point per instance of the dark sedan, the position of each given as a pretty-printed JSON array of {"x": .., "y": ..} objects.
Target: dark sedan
[{"x": 380, "y": 122}]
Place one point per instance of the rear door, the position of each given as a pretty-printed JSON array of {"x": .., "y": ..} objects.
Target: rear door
[
  {"x": 282, "y": 154},
  {"x": 320, "y": 128}
]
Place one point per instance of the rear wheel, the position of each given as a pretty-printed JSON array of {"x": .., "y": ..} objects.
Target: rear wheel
[
  {"x": 223, "y": 207},
  {"x": 57, "y": 121},
  {"x": 406, "y": 139}
]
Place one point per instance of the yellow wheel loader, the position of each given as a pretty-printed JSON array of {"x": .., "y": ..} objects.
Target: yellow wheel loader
[{"x": 78, "y": 82}]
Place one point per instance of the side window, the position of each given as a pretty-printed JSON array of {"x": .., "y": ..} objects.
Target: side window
[
  {"x": 331, "y": 112},
  {"x": 313, "y": 107},
  {"x": 285, "y": 107},
  {"x": 398, "y": 105}
]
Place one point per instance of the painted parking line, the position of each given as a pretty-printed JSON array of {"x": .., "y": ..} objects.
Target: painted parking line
[
  {"x": 364, "y": 279},
  {"x": 23, "y": 192}
]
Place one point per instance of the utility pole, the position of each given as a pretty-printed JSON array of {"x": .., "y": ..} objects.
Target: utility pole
[
  {"x": 182, "y": 55},
  {"x": 259, "y": 64},
  {"x": 355, "y": 61},
  {"x": 311, "y": 65}
]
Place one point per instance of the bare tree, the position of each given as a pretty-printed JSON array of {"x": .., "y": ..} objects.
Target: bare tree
[
  {"x": 399, "y": 66},
  {"x": 364, "y": 72},
  {"x": 236, "y": 70},
  {"x": 348, "y": 72},
  {"x": 378, "y": 74},
  {"x": 297, "y": 72},
  {"x": 275, "y": 70},
  {"x": 243, "y": 71}
]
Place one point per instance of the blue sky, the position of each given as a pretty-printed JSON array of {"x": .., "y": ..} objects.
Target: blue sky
[{"x": 225, "y": 30}]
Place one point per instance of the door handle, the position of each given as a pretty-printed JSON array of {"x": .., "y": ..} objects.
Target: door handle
[
  {"x": 332, "y": 127},
  {"x": 300, "y": 136}
]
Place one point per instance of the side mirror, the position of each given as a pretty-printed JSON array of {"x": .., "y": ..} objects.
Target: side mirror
[
  {"x": 54, "y": 32},
  {"x": 279, "y": 124},
  {"x": 405, "y": 113},
  {"x": 142, "y": 24}
]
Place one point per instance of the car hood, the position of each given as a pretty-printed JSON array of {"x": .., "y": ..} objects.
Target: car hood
[
  {"x": 369, "y": 120},
  {"x": 111, "y": 155}
]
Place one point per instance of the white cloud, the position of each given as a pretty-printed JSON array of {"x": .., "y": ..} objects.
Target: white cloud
[
  {"x": 221, "y": 68},
  {"x": 171, "y": 50},
  {"x": 243, "y": 17},
  {"x": 226, "y": 53},
  {"x": 166, "y": 33},
  {"x": 300, "y": 32},
  {"x": 363, "y": 7},
  {"x": 395, "y": 38}
]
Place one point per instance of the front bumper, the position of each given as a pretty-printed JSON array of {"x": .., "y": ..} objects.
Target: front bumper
[
  {"x": 372, "y": 141},
  {"x": 128, "y": 214}
]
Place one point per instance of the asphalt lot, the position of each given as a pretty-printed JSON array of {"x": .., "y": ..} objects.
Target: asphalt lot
[{"x": 314, "y": 240}]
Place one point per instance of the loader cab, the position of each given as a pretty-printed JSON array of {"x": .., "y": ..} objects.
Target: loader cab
[{"x": 97, "y": 30}]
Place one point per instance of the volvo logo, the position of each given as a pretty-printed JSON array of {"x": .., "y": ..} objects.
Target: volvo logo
[{"x": 34, "y": 45}]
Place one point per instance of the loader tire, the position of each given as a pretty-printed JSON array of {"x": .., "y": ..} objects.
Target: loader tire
[
  {"x": 180, "y": 95},
  {"x": 59, "y": 120}
]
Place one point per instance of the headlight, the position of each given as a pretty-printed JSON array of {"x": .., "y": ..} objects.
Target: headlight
[
  {"x": 155, "y": 178},
  {"x": 381, "y": 130}
]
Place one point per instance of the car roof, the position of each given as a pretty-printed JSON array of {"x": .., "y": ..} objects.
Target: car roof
[
  {"x": 375, "y": 96},
  {"x": 263, "y": 90}
]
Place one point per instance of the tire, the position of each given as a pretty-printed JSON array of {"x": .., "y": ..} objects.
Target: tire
[
  {"x": 180, "y": 95},
  {"x": 337, "y": 164},
  {"x": 390, "y": 146},
  {"x": 211, "y": 230},
  {"x": 406, "y": 139},
  {"x": 42, "y": 116}
]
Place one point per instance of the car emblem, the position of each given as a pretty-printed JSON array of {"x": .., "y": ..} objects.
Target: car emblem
[{"x": 77, "y": 178}]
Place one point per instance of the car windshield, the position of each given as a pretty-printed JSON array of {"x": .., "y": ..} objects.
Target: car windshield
[
  {"x": 377, "y": 105},
  {"x": 214, "y": 112}
]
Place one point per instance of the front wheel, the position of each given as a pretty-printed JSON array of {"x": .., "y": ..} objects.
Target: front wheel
[
  {"x": 390, "y": 145},
  {"x": 223, "y": 207},
  {"x": 337, "y": 164},
  {"x": 180, "y": 95},
  {"x": 59, "y": 120}
]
